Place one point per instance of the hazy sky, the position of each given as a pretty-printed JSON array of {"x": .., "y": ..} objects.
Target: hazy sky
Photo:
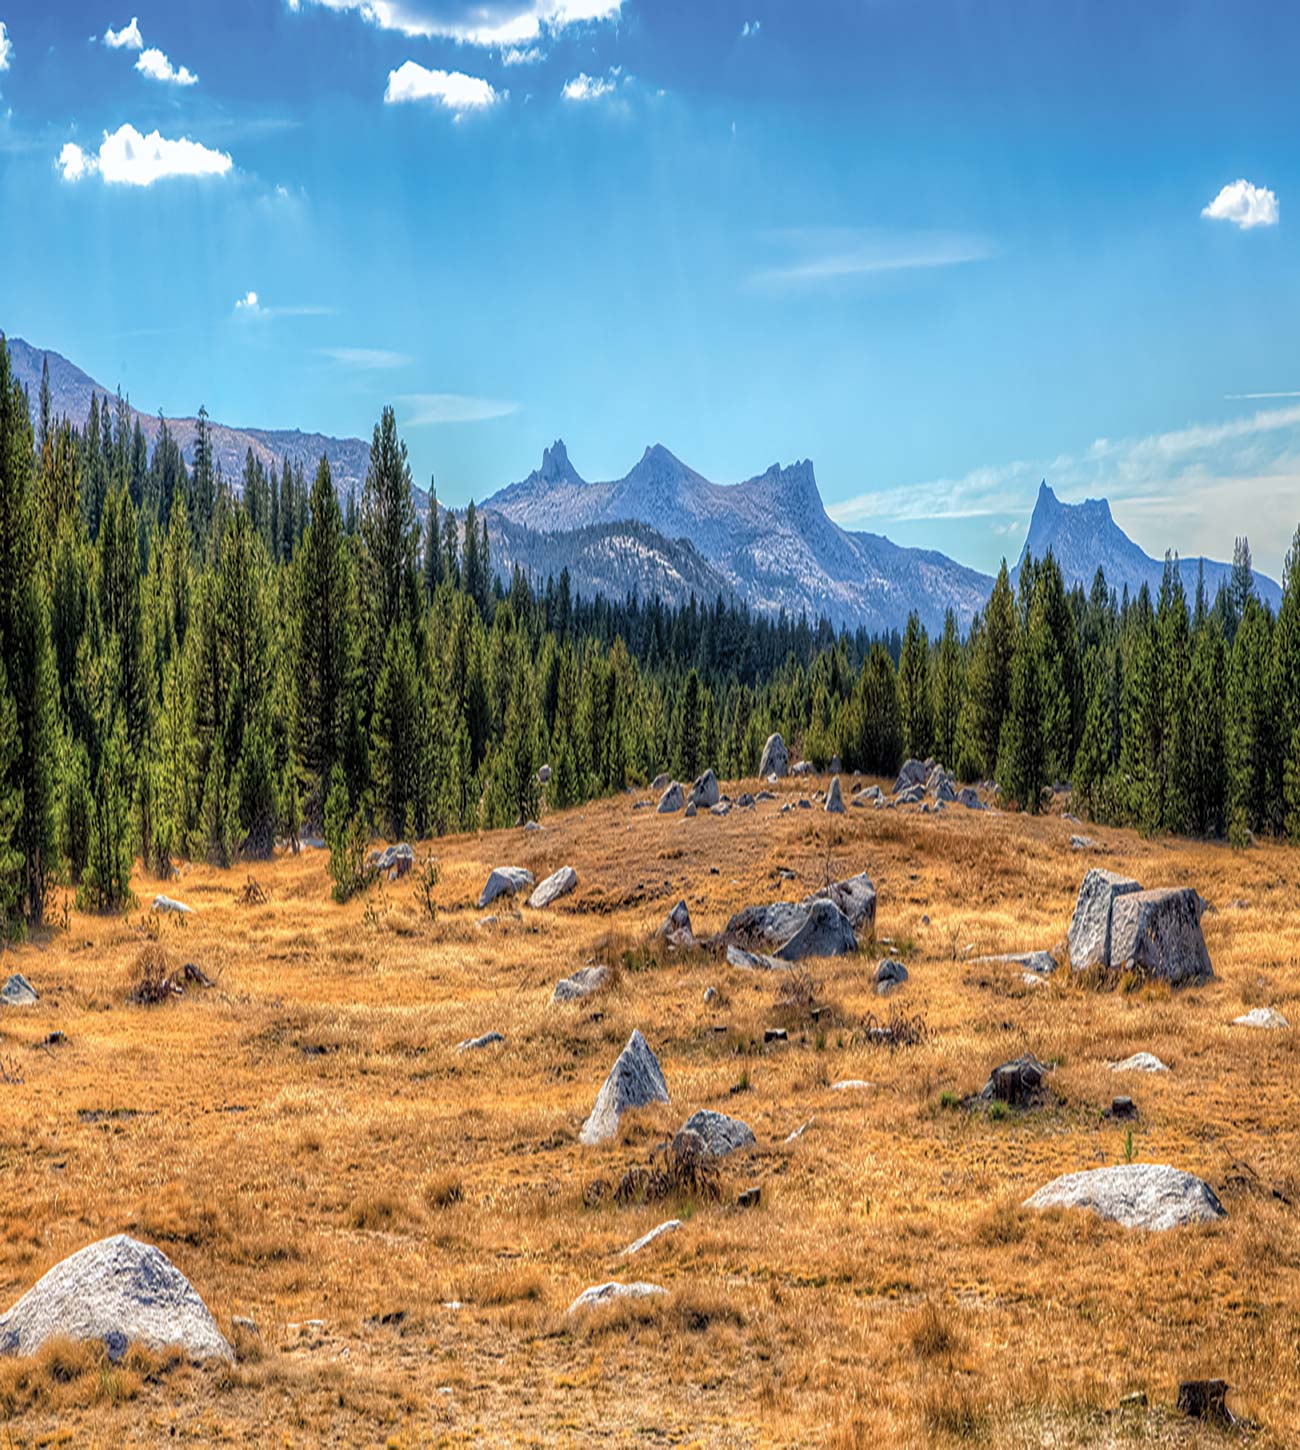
[{"x": 943, "y": 249}]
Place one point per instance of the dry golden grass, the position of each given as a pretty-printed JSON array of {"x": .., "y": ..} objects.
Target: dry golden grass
[{"x": 407, "y": 1226}]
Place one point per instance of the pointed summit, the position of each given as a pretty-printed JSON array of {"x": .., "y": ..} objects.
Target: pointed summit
[{"x": 556, "y": 467}]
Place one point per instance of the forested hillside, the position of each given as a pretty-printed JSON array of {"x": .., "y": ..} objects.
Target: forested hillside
[{"x": 187, "y": 674}]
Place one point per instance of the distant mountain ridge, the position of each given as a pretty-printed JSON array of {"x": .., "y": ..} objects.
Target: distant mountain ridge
[
  {"x": 70, "y": 394},
  {"x": 768, "y": 538},
  {"x": 1084, "y": 537}
]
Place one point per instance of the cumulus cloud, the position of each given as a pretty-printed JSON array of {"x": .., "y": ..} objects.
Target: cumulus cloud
[
  {"x": 495, "y": 24},
  {"x": 587, "y": 88},
  {"x": 248, "y": 303},
  {"x": 6, "y": 47},
  {"x": 154, "y": 64},
  {"x": 452, "y": 90},
  {"x": 128, "y": 38},
  {"x": 422, "y": 410},
  {"x": 1244, "y": 205},
  {"x": 751, "y": 28},
  {"x": 127, "y": 158}
]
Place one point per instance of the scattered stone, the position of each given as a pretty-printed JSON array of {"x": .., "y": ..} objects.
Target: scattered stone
[
  {"x": 856, "y": 898},
  {"x": 750, "y": 1197},
  {"x": 669, "y": 1227},
  {"x": 607, "y": 1293},
  {"x": 1206, "y": 1400},
  {"x": 800, "y": 1131},
  {"x": 18, "y": 992},
  {"x": 775, "y": 760},
  {"x": 1122, "y": 1108},
  {"x": 676, "y": 928},
  {"x": 244, "y": 1323},
  {"x": 486, "y": 921},
  {"x": 803, "y": 804},
  {"x": 775, "y": 1034},
  {"x": 1017, "y": 1083},
  {"x": 1090, "y": 930},
  {"x": 1139, "y": 1062},
  {"x": 744, "y": 801},
  {"x": 710, "y": 996},
  {"x": 967, "y": 797},
  {"x": 754, "y": 961},
  {"x": 913, "y": 773},
  {"x": 583, "y": 983},
  {"x": 1082, "y": 843},
  {"x": 558, "y": 884},
  {"x": 1041, "y": 964},
  {"x": 1265, "y": 1017},
  {"x": 1136, "y": 1195},
  {"x": 544, "y": 775},
  {"x": 850, "y": 1085},
  {"x": 910, "y": 796},
  {"x": 803, "y": 767},
  {"x": 815, "y": 928},
  {"x": 394, "y": 862},
  {"x": 118, "y": 1291},
  {"x": 504, "y": 881},
  {"x": 167, "y": 903},
  {"x": 634, "y": 1081},
  {"x": 705, "y": 793},
  {"x": 834, "y": 799},
  {"x": 531, "y": 826},
  {"x": 1159, "y": 933},
  {"x": 691, "y": 810},
  {"x": 475, "y": 1044},
  {"x": 765, "y": 795},
  {"x": 673, "y": 799},
  {"x": 719, "y": 1133},
  {"x": 661, "y": 782},
  {"x": 723, "y": 808},
  {"x": 889, "y": 975}
]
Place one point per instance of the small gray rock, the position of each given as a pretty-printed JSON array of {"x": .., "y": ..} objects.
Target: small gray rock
[
  {"x": 1266, "y": 1017},
  {"x": 583, "y": 983},
  {"x": 720, "y": 1134},
  {"x": 558, "y": 884},
  {"x": 18, "y": 992},
  {"x": 1137, "y": 1195},
  {"x": 504, "y": 881},
  {"x": 167, "y": 903},
  {"x": 834, "y": 799},
  {"x": 889, "y": 975},
  {"x": 607, "y": 1293},
  {"x": 1139, "y": 1062},
  {"x": 476, "y": 1044}
]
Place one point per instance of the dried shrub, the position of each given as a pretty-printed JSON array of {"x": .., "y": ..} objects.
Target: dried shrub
[
  {"x": 152, "y": 983},
  {"x": 678, "y": 1168},
  {"x": 251, "y": 894},
  {"x": 898, "y": 1030}
]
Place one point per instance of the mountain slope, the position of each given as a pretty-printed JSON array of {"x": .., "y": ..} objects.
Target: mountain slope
[
  {"x": 769, "y": 538},
  {"x": 70, "y": 394},
  {"x": 1084, "y": 536}
]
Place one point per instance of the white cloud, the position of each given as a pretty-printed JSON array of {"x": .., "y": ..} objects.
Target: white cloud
[
  {"x": 6, "y": 47},
  {"x": 128, "y": 38},
  {"x": 366, "y": 359},
  {"x": 829, "y": 255},
  {"x": 1244, "y": 205},
  {"x": 1251, "y": 397},
  {"x": 154, "y": 64},
  {"x": 516, "y": 56},
  {"x": 452, "y": 90},
  {"x": 248, "y": 303},
  {"x": 751, "y": 28},
  {"x": 127, "y": 158},
  {"x": 431, "y": 409},
  {"x": 251, "y": 305},
  {"x": 495, "y": 24},
  {"x": 587, "y": 88}
]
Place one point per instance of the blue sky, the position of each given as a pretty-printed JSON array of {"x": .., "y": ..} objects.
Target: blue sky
[{"x": 943, "y": 249}]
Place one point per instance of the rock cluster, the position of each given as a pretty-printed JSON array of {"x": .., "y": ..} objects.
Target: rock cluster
[{"x": 1119, "y": 926}]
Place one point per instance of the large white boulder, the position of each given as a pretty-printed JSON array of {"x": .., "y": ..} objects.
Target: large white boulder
[
  {"x": 1137, "y": 1195},
  {"x": 608, "y": 1293},
  {"x": 121, "y": 1292},
  {"x": 504, "y": 881},
  {"x": 775, "y": 759},
  {"x": 558, "y": 884},
  {"x": 1090, "y": 929}
]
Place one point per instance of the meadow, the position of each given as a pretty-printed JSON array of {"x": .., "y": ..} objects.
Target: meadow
[{"x": 390, "y": 1232}]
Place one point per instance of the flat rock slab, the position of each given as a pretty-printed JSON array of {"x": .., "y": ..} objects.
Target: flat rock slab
[
  {"x": 1265, "y": 1017},
  {"x": 1136, "y": 1195},
  {"x": 504, "y": 881},
  {"x": 754, "y": 961},
  {"x": 792, "y": 931},
  {"x": 118, "y": 1291},
  {"x": 1041, "y": 964},
  {"x": 607, "y": 1293},
  {"x": 634, "y": 1081},
  {"x": 1159, "y": 933},
  {"x": 669, "y": 1227},
  {"x": 719, "y": 1133},
  {"x": 582, "y": 983},
  {"x": 1140, "y": 1062},
  {"x": 168, "y": 903},
  {"x": 1090, "y": 929},
  {"x": 850, "y": 1085},
  {"x": 18, "y": 992},
  {"x": 558, "y": 884},
  {"x": 476, "y": 1044}
]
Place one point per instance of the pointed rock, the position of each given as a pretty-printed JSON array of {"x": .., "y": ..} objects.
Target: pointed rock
[
  {"x": 1090, "y": 930},
  {"x": 775, "y": 760},
  {"x": 834, "y": 799},
  {"x": 1159, "y": 933},
  {"x": 705, "y": 792},
  {"x": 121, "y": 1292},
  {"x": 18, "y": 992},
  {"x": 634, "y": 1081},
  {"x": 673, "y": 799}
]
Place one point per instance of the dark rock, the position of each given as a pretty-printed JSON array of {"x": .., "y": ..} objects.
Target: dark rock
[
  {"x": 1017, "y": 1083},
  {"x": 1206, "y": 1400},
  {"x": 1159, "y": 933},
  {"x": 750, "y": 1197}
]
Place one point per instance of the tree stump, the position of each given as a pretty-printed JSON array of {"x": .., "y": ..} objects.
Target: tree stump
[{"x": 1205, "y": 1400}]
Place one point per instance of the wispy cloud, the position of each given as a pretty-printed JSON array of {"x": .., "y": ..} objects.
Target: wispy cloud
[
  {"x": 530, "y": 55},
  {"x": 6, "y": 48},
  {"x": 589, "y": 88},
  {"x": 1252, "y": 397},
  {"x": 451, "y": 90},
  {"x": 367, "y": 359},
  {"x": 493, "y": 24},
  {"x": 750, "y": 29},
  {"x": 1198, "y": 486},
  {"x": 423, "y": 410},
  {"x": 251, "y": 305},
  {"x": 1244, "y": 205},
  {"x": 821, "y": 256},
  {"x": 127, "y": 158}
]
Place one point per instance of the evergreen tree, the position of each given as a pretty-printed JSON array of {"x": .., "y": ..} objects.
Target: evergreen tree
[
  {"x": 389, "y": 535},
  {"x": 914, "y": 690},
  {"x": 989, "y": 682},
  {"x": 395, "y": 740},
  {"x": 433, "y": 560},
  {"x": 949, "y": 689}
]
